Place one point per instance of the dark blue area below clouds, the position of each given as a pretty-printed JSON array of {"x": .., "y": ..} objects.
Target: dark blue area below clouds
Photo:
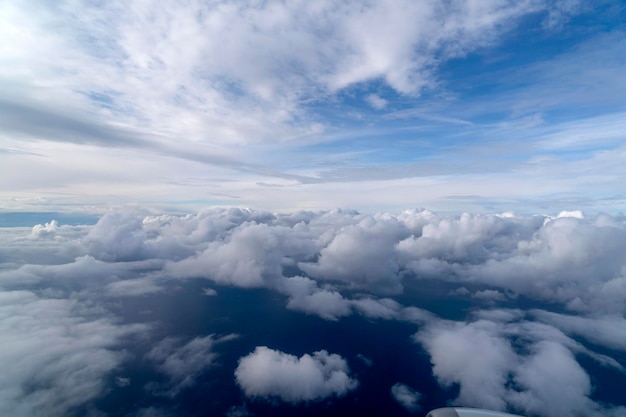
[{"x": 260, "y": 318}]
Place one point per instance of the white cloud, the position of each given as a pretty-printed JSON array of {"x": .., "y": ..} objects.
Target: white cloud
[
  {"x": 251, "y": 256},
  {"x": 268, "y": 373},
  {"x": 45, "y": 230},
  {"x": 609, "y": 331},
  {"x": 330, "y": 264},
  {"x": 140, "y": 78},
  {"x": 506, "y": 363},
  {"x": 564, "y": 259},
  {"x": 406, "y": 396},
  {"x": 376, "y": 101},
  {"x": 473, "y": 356},
  {"x": 362, "y": 255},
  {"x": 53, "y": 359},
  {"x": 553, "y": 383},
  {"x": 384, "y": 308}
]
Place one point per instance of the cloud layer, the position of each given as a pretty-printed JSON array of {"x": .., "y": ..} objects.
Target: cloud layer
[{"x": 62, "y": 283}]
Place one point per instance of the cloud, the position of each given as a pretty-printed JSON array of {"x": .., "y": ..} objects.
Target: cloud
[
  {"x": 210, "y": 292},
  {"x": 122, "y": 382},
  {"x": 376, "y": 101},
  {"x": 545, "y": 258},
  {"x": 489, "y": 295},
  {"x": 45, "y": 230},
  {"x": 318, "y": 258},
  {"x": 268, "y": 373},
  {"x": 362, "y": 255},
  {"x": 223, "y": 123},
  {"x": 251, "y": 256},
  {"x": 184, "y": 362},
  {"x": 609, "y": 331},
  {"x": 55, "y": 359},
  {"x": 473, "y": 356},
  {"x": 406, "y": 396},
  {"x": 305, "y": 296},
  {"x": 331, "y": 264},
  {"x": 553, "y": 383},
  {"x": 503, "y": 362}
]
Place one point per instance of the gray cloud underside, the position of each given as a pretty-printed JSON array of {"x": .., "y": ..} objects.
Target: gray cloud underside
[{"x": 331, "y": 264}]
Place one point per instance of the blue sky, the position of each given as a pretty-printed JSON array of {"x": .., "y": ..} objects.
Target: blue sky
[{"x": 482, "y": 106}]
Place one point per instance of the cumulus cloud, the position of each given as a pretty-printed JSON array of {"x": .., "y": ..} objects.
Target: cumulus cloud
[
  {"x": 473, "y": 356},
  {"x": 268, "y": 373},
  {"x": 552, "y": 383},
  {"x": 251, "y": 256},
  {"x": 330, "y": 264},
  {"x": 362, "y": 255},
  {"x": 503, "y": 362},
  {"x": 406, "y": 396},
  {"x": 316, "y": 258},
  {"x": 45, "y": 230}
]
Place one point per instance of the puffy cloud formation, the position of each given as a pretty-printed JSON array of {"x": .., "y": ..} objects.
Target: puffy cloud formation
[
  {"x": 45, "y": 230},
  {"x": 275, "y": 374},
  {"x": 314, "y": 257},
  {"x": 503, "y": 362},
  {"x": 331, "y": 264},
  {"x": 406, "y": 396},
  {"x": 318, "y": 258}
]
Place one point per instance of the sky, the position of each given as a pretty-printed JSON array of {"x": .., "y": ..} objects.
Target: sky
[
  {"x": 277, "y": 208},
  {"x": 481, "y": 106}
]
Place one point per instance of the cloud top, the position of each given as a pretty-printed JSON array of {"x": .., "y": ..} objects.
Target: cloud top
[{"x": 268, "y": 373}]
